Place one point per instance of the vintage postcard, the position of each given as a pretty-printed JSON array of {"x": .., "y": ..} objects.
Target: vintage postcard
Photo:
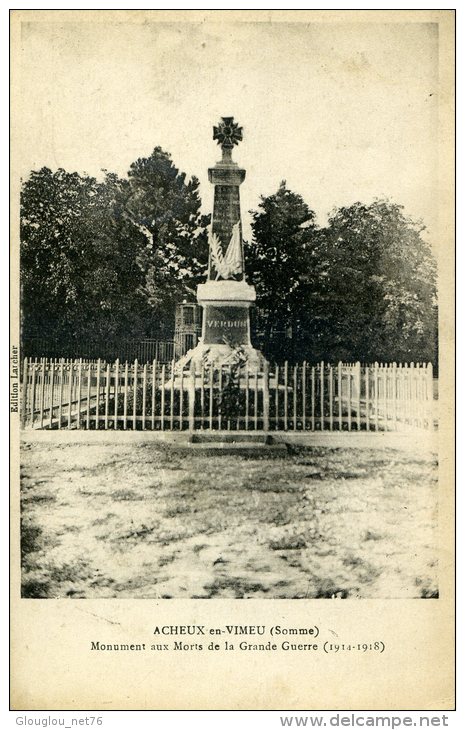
[{"x": 231, "y": 361}]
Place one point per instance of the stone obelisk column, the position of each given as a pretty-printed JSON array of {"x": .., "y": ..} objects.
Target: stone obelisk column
[{"x": 226, "y": 297}]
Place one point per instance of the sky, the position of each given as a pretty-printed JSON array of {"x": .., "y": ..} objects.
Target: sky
[{"x": 343, "y": 112}]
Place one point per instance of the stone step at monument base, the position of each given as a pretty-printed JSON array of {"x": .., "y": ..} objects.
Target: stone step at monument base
[
  {"x": 230, "y": 437},
  {"x": 236, "y": 443}
]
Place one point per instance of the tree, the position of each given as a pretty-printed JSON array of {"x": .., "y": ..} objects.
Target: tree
[
  {"x": 278, "y": 264},
  {"x": 78, "y": 274},
  {"x": 109, "y": 259},
  {"x": 375, "y": 294},
  {"x": 362, "y": 288},
  {"x": 166, "y": 209}
]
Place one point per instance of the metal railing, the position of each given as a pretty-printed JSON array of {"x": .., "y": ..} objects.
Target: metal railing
[{"x": 162, "y": 396}]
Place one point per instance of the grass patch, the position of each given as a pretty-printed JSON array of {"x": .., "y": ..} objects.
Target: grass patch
[
  {"x": 126, "y": 495},
  {"x": 288, "y": 543}
]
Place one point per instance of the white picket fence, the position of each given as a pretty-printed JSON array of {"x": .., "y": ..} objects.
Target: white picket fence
[{"x": 158, "y": 396}]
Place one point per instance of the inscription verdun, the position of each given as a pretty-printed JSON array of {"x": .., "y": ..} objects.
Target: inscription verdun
[{"x": 226, "y": 325}]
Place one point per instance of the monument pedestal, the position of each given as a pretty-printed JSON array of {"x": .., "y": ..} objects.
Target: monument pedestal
[{"x": 226, "y": 326}]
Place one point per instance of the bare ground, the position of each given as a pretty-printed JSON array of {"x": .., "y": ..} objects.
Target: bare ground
[{"x": 148, "y": 521}]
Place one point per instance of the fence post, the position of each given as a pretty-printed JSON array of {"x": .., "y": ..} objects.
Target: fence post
[
  {"x": 154, "y": 390},
  {"x": 385, "y": 400},
  {"x": 266, "y": 397},
  {"x": 24, "y": 393},
  {"x": 125, "y": 399},
  {"x": 97, "y": 410},
  {"x": 134, "y": 391},
  {"x": 411, "y": 373},
  {"x": 294, "y": 399},
  {"x": 191, "y": 395},
  {"x": 430, "y": 396},
  {"x": 349, "y": 397},
  {"x": 162, "y": 398},
  {"x": 358, "y": 371},
  {"x": 220, "y": 389},
  {"x": 312, "y": 375},
  {"x": 331, "y": 397},
  {"x": 304, "y": 395},
  {"x": 70, "y": 391},
  {"x": 255, "y": 399},
  {"x": 42, "y": 393},
  {"x": 172, "y": 396},
  {"x": 276, "y": 377},
  {"x": 107, "y": 395},
  {"x": 210, "y": 401},
  {"x": 78, "y": 405},
  {"x": 376, "y": 384},
  {"x": 144, "y": 394},
  {"x": 62, "y": 385},
  {"x": 202, "y": 393},
  {"x": 367, "y": 398},
  {"x": 52, "y": 387},
  {"x": 285, "y": 394},
  {"x": 181, "y": 397},
  {"x": 116, "y": 388},
  {"x": 89, "y": 386}
]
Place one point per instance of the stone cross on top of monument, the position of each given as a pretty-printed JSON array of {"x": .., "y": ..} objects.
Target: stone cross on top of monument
[
  {"x": 228, "y": 134},
  {"x": 226, "y": 259}
]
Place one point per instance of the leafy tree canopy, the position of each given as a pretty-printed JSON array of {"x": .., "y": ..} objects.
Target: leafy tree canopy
[
  {"x": 362, "y": 288},
  {"x": 284, "y": 236},
  {"x": 111, "y": 258},
  {"x": 166, "y": 209}
]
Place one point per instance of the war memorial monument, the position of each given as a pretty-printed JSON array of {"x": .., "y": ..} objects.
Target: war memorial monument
[{"x": 225, "y": 297}]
